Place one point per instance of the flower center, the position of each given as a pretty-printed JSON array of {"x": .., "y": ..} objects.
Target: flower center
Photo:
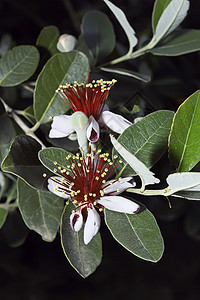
[
  {"x": 89, "y": 98},
  {"x": 84, "y": 179}
]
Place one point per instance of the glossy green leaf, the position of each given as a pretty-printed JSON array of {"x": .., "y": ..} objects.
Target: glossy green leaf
[
  {"x": 98, "y": 33},
  {"x": 48, "y": 39},
  {"x": 184, "y": 141},
  {"x": 83, "y": 258},
  {"x": 3, "y": 216},
  {"x": 22, "y": 160},
  {"x": 49, "y": 155},
  {"x": 147, "y": 140},
  {"x": 142, "y": 77},
  {"x": 119, "y": 14},
  {"x": 179, "y": 43},
  {"x": 138, "y": 233},
  {"x": 61, "y": 68},
  {"x": 18, "y": 65},
  {"x": 41, "y": 211},
  {"x": 159, "y": 7}
]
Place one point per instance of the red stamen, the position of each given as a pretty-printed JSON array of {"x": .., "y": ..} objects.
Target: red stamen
[{"x": 89, "y": 99}]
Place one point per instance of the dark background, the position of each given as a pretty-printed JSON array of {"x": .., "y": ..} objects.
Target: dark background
[{"x": 38, "y": 270}]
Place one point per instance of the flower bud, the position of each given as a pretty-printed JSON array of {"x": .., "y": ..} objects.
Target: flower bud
[{"x": 66, "y": 43}]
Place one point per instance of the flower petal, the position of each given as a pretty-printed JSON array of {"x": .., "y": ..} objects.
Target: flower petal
[
  {"x": 112, "y": 186},
  {"x": 119, "y": 204},
  {"x": 53, "y": 187},
  {"x": 61, "y": 127},
  {"x": 115, "y": 122},
  {"x": 93, "y": 130},
  {"x": 76, "y": 221},
  {"x": 92, "y": 225}
]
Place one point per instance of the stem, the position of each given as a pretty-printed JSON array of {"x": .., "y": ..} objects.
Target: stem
[
  {"x": 26, "y": 129},
  {"x": 163, "y": 192},
  {"x": 7, "y": 205}
]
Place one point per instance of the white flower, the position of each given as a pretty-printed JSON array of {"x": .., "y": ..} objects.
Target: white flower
[
  {"x": 90, "y": 191},
  {"x": 90, "y": 100}
]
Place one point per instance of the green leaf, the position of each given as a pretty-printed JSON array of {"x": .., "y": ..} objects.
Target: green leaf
[
  {"x": 61, "y": 68},
  {"x": 41, "y": 211},
  {"x": 3, "y": 216},
  {"x": 5, "y": 126},
  {"x": 190, "y": 195},
  {"x": 159, "y": 7},
  {"x": 83, "y": 258},
  {"x": 18, "y": 65},
  {"x": 179, "y": 43},
  {"x": 48, "y": 39},
  {"x": 147, "y": 140},
  {"x": 142, "y": 77},
  {"x": 22, "y": 160},
  {"x": 119, "y": 14},
  {"x": 171, "y": 17},
  {"x": 138, "y": 233},
  {"x": 184, "y": 141},
  {"x": 98, "y": 33},
  {"x": 49, "y": 155}
]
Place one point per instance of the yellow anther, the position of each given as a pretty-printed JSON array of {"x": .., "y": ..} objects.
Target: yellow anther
[
  {"x": 90, "y": 194},
  {"x": 95, "y": 203},
  {"x": 103, "y": 181},
  {"x": 94, "y": 195},
  {"x": 97, "y": 178},
  {"x": 72, "y": 194},
  {"x": 55, "y": 163},
  {"x": 85, "y": 197},
  {"x": 101, "y": 193},
  {"x": 115, "y": 156},
  {"x": 44, "y": 175},
  {"x": 75, "y": 201},
  {"x": 73, "y": 211},
  {"x": 118, "y": 190},
  {"x": 100, "y": 209},
  {"x": 55, "y": 170},
  {"x": 119, "y": 178},
  {"x": 120, "y": 161}
]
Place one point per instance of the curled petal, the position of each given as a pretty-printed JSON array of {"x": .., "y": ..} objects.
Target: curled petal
[
  {"x": 61, "y": 127},
  {"x": 53, "y": 187},
  {"x": 119, "y": 204},
  {"x": 92, "y": 225},
  {"x": 116, "y": 187},
  {"x": 76, "y": 221},
  {"x": 115, "y": 122},
  {"x": 93, "y": 130}
]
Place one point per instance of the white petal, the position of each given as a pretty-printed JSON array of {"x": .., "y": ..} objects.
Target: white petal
[
  {"x": 52, "y": 186},
  {"x": 119, "y": 204},
  {"x": 92, "y": 225},
  {"x": 66, "y": 43},
  {"x": 121, "y": 185},
  {"x": 61, "y": 127},
  {"x": 93, "y": 130},
  {"x": 115, "y": 122},
  {"x": 76, "y": 221},
  {"x": 72, "y": 136}
]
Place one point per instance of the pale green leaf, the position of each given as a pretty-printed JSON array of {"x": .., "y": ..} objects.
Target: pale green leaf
[
  {"x": 159, "y": 7},
  {"x": 83, "y": 258},
  {"x": 183, "y": 181},
  {"x": 142, "y": 77},
  {"x": 146, "y": 176},
  {"x": 18, "y": 65},
  {"x": 41, "y": 211},
  {"x": 171, "y": 17},
  {"x": 184, "y": 141},
  {"x": 147, "y": 140},
  {"x": 119, "y": 14},
  {"x": 138, "y": 233},
  {"x": 178, "y": 43},
  {"x": 3, "y": 215}
]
